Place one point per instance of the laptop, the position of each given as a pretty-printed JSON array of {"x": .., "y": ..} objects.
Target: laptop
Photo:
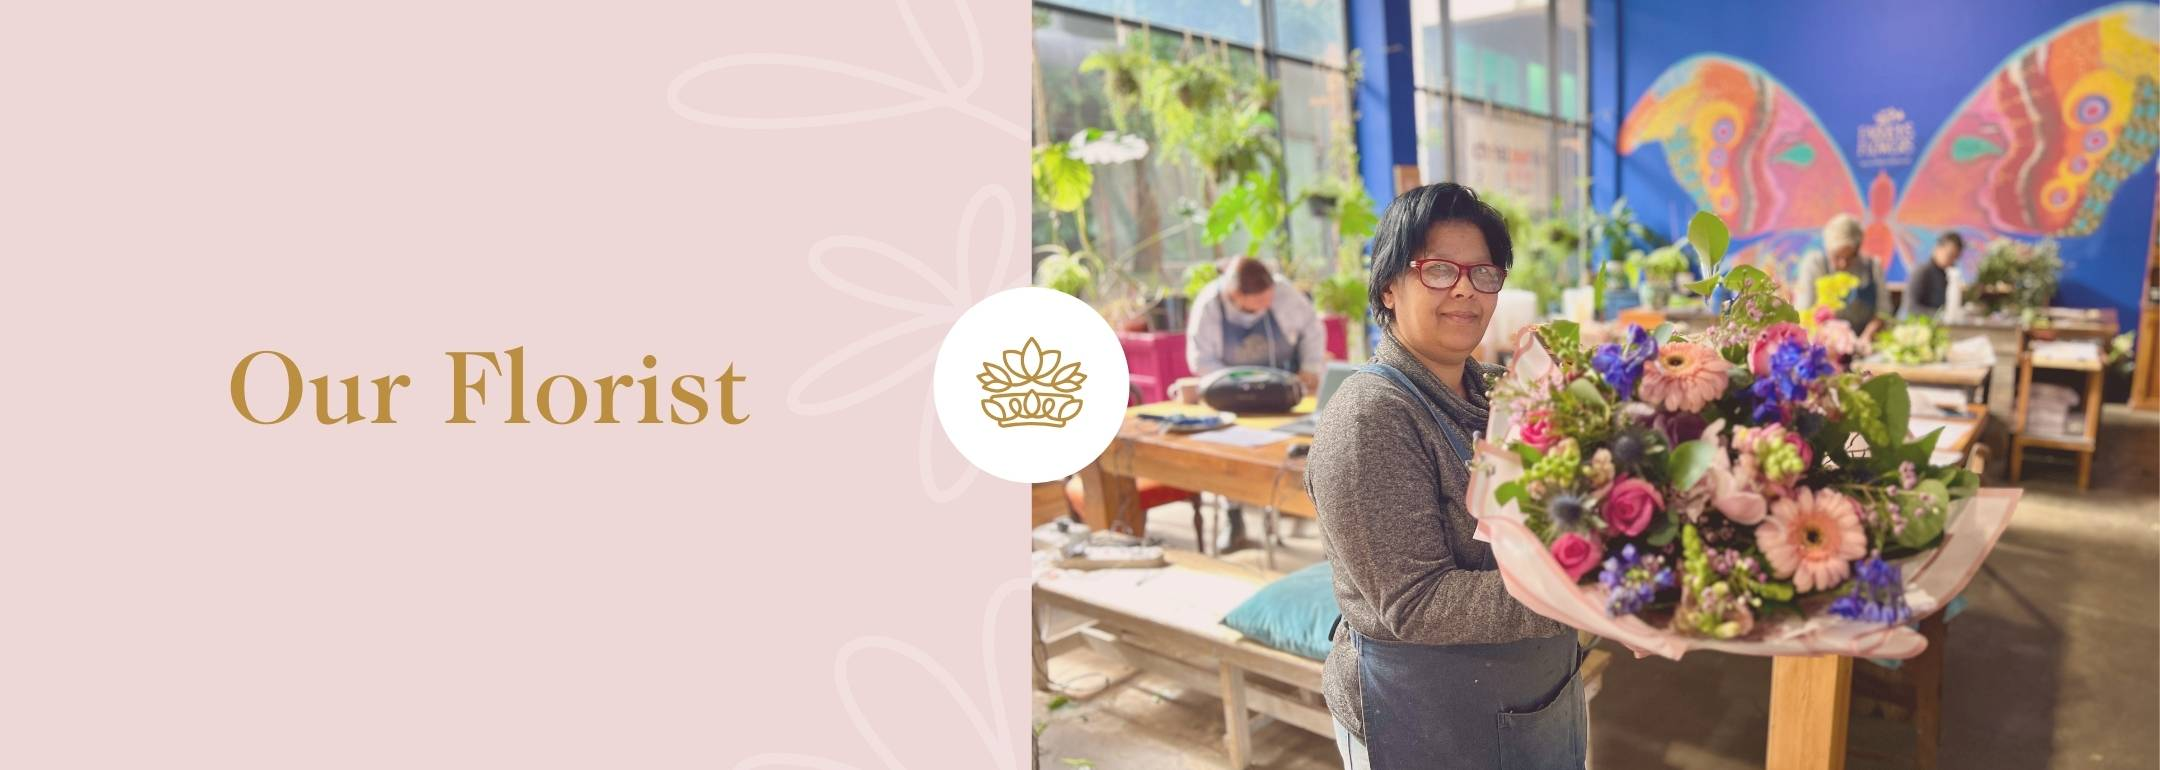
[{"x": 1329, "y": 381}]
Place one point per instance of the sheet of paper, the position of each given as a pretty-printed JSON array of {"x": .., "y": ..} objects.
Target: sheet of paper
[
  {"x": 1239, "y": 435},
  {"x": 1954, "y": 431},
  {"x": 1927, "y": 398}
]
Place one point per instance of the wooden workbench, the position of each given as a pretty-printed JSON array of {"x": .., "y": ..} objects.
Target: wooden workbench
[{"x": 1262, "y": 476}]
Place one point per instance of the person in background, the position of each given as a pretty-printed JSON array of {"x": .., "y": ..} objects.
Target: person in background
[
  {"x": 1930, "y": 286},
  {"x": 1869, "y": 301},
  {"x": 1251, "y": 317}
]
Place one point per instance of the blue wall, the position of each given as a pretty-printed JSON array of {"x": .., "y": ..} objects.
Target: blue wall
[{"x": 1846, "y": 59}]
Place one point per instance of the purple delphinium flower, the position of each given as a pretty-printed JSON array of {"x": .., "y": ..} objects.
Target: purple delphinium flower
[
  {"x": 1622, "y": 366},
  {"x": 1877, "y": 594},
  {"x": 1632, "y": 580},
  {"x": 1793, "y": 367}
]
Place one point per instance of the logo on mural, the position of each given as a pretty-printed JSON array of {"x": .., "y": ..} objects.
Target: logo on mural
[
  {"x": 2036, "y": 150},
  {"x": 1886, "y": 142}
]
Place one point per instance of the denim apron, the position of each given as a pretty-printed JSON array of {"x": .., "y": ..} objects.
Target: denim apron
[
  {"x": 1512, "y": 706},
  {"x": 1261, "y": 344},
  {"x": 1860, "y": 300}
]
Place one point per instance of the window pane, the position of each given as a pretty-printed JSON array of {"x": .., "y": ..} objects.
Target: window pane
[
  {"x": 1508, "y": 153},
  {"x": 1132, "y": 202},
  {"x": 1574, "y": 167},
  {"x": 1312, "y": 29},
  {"x": 1432, "y": 128},
  {"x": 1427, "y": 50},
  {"x": 1315, "y": 110},
  {"x": 1501, "y": 52},
  {"x": 1574, "y": 79},
  {"x": 1237, "y": 21}
]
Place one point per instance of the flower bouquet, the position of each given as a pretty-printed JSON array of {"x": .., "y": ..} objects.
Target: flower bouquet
[
  {"x": 1915, "y": 340},
  {"x": 1737, "y": 490}
]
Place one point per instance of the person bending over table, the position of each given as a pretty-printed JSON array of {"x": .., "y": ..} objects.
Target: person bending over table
[
  {"x": 1868, "y": 303},
  {"x": 1250, "y": 317},
  {"x": 1433, "y": 664}
]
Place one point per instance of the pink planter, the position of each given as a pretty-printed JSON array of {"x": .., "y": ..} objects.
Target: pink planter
[
  {"x": 1338, "y": 337},
  {"x": 1158, "y": 358}
]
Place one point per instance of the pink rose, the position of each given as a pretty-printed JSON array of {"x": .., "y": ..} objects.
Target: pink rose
[
  {"x": 1538, "y": 430},
  {"x": 1766, "y": 343},
  {"x": 1837, "y": 337},
  {"x": 1807, "y": 453},
  {"x": 1630, "y": 506},
  {"x": 1577, "y": 554}
]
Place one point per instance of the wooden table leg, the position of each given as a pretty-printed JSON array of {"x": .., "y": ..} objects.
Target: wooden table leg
[
  {"x": 1113, "y": 502},
  {"x": 1927, "y": 682},
  {"x": 2092, "y": 430},
  {"x": 1809, "y": 701},
  {"x": 1237, "y": 722}
]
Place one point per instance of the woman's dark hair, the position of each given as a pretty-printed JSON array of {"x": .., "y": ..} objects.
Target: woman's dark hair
[{"x": 1404, "y": 225}]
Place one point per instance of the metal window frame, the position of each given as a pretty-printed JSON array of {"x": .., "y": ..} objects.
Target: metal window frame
[{"x": 1451, "y": 92}]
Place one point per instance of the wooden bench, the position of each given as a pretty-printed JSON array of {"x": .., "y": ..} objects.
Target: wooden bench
[{"x": 1167, "y": 621}]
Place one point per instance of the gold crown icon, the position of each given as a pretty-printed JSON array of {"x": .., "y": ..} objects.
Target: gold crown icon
[{"x": 1031, "y": 388}]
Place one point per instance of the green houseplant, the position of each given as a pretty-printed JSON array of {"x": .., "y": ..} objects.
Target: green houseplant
[{"x": 2016, "y": 276}]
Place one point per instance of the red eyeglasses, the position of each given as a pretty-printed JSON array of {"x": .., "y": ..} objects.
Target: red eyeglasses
[{"x": 1441, "y": 274}]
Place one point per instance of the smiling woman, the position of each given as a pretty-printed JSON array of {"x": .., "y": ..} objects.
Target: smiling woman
[
  {"x": 1432, "y": 651},
  {"x": 1431, "y": 240}
]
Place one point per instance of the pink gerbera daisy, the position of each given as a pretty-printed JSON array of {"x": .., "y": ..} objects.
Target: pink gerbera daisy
[
  {"x": 1684, "y": 377},
  {"x": 1812, "y": 537}
]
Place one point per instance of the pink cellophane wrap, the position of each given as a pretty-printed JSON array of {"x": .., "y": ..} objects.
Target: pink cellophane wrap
[{"x": 1534, "y": 577}]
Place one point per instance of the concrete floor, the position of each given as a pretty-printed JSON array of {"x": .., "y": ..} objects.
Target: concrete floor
[{"x": 2056, "y": 663}]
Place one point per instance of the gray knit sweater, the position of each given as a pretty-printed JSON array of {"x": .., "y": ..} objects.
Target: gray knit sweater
[{"x": 1401, "y": 574}]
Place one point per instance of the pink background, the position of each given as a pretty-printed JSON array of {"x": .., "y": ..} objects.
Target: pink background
[{"x": 366, "y": 187}]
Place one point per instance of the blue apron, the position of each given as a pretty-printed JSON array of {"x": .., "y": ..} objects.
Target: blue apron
[
  {"x": 1860, "y": 300},
  {"x": 1516, "y": 705},
  {"x": 1261, "y": 344}
]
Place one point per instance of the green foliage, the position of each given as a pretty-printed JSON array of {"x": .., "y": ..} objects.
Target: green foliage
[
  {"x": 1255, "y": 205},
  {"x": 1064, "y": 271},
  {"x": 1343, "y": 294},
  {"x": 1926, "y": 509},
  {"x": 1123, "y": 69},
  {"x": 1755, "y": 304},
  {"x": 1205, "y": 114},
  {"x": 1198, "y": 276},
  {"x": 1062, "y": 181},
  {"x": 2017, "y": 276},
  {"x": 1706, "y": 232},
  {"x": 1662, "y": 264},
  {"x": 1893, "y": 403},
  {"x": 1687, "y": 463},
  {"x": 1546, "y": 249}
]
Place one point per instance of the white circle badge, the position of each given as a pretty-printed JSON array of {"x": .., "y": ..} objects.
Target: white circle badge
[{"x": 1031, "y": 385}]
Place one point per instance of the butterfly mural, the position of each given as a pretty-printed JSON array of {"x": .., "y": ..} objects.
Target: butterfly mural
[{"x": 2037, "y": 150}]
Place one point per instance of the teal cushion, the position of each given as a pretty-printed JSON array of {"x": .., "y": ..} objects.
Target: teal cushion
[{"x": 1293, "y": 614}]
